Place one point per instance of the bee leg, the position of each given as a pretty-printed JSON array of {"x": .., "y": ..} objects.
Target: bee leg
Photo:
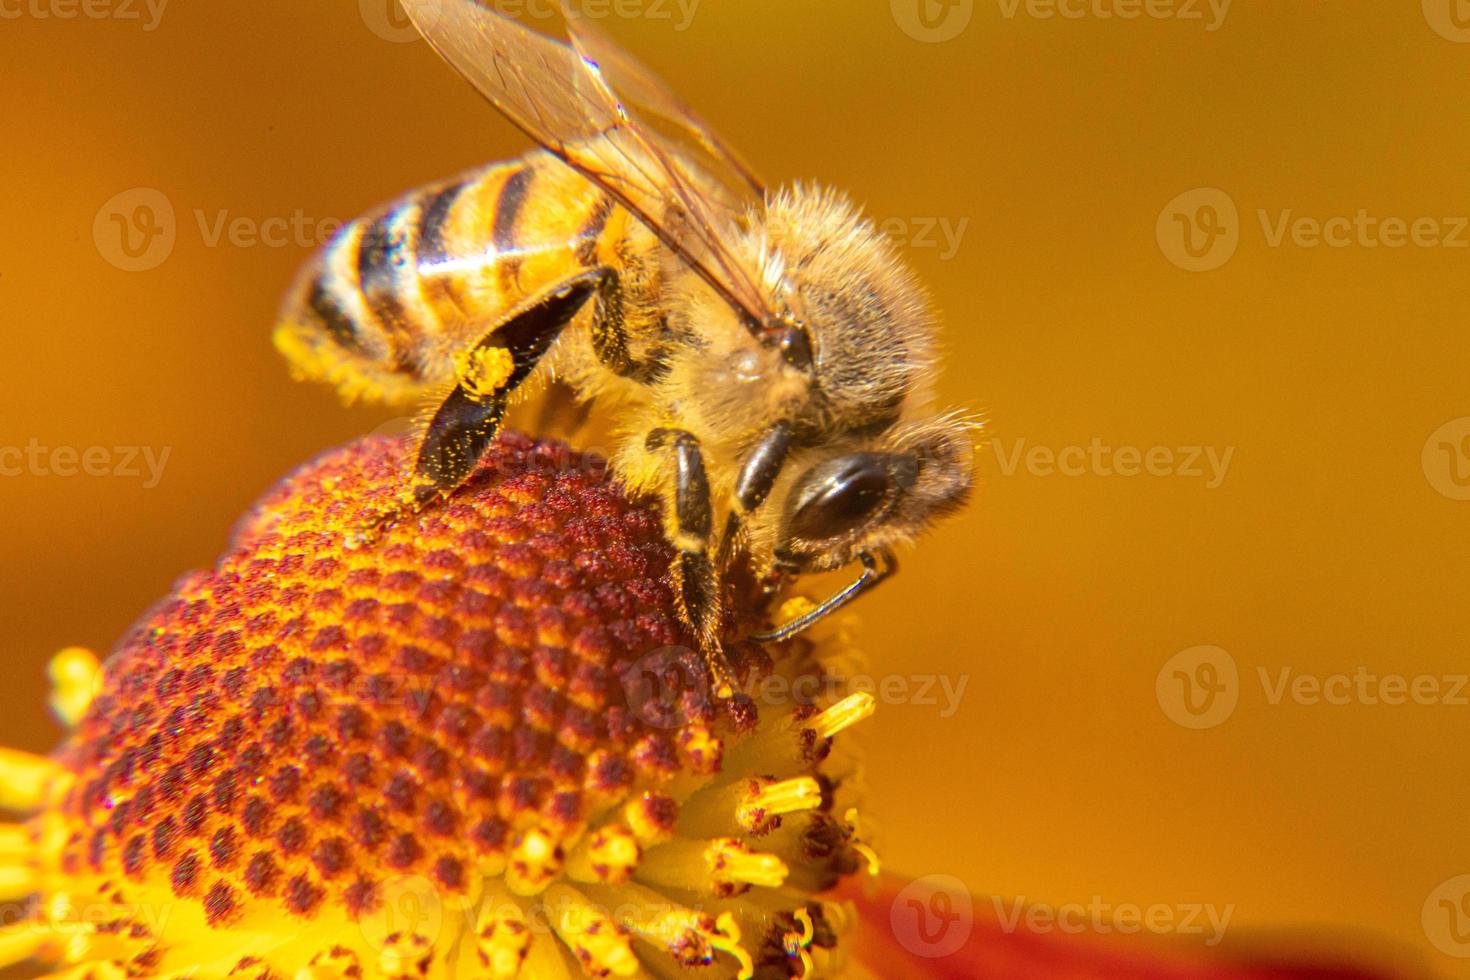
[
  {"x": 698, "y": 590},
  {"x": 468, "y": 419},
  {"x": 610, "y": 336},
  {"x": 754, "y": 484},
  {"x": 872, "y": 576}
]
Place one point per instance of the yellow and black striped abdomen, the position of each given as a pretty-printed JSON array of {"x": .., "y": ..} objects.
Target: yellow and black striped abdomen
[{"x": 381, "y": 311}]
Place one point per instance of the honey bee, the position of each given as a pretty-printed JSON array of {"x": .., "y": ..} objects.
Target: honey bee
[{"x": 767, "y": 353}]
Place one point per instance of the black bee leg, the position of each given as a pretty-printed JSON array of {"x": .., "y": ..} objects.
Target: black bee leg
[
  {"x": 871, "y": 577},
  {"x": 489, "y": 373},
  {"x": 754, "y": 484},
  {"x": 698, "y": 587}
]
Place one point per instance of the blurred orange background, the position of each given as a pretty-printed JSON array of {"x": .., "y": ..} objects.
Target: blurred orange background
[{"x": 1043, "y": 172}]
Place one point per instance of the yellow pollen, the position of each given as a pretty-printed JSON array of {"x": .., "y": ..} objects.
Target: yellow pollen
[
  {"x": 644, "y": 829},
  {"x": 534, "y": 862},
  {"x": 794, "y": 608},
  {"x": 406, "y": 958},
  {"x": 601, "y": 946},
  {"x": 614, "y": 854},
  {"x": 775, "y": 799},
  {"x": 844, "y": 714},
  {"x": 687, "y": 934},
  {"x": 75, "y": 675},
  {"x": 732, "y": 863},
  {"x": 502, "y": 939},
  {"x": 485, "y": 370}
]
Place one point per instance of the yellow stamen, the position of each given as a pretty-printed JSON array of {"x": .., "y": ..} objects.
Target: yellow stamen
[
  {"x": 731, "y": 862},
  {"x": 844, "y": 714},
  {"x": 610, "y": 855},
  {"x": 75, "y": 676},
  {"x": 774, "y": 799},
  {"x": 16, "y": 882},
  {"x": 24, "y": 779},
  {"x": 727, "y": 940},
  {"x": 15, "y": 844},
  {"x": 18, "y": 943},
  {"x": 406, "y": 957},
  {"x": 797, "y": 943},
  {"x": 874, "y": 865},
  {"x": 535, "y": 860},
  {"x": 852, "y": 818},
  {"x": 502, "y": 937},
  {"x": 337, "y": 963},
  {"x": 599, "y": 943}
]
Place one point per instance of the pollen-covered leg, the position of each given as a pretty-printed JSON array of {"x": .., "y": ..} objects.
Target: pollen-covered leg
[
  {"x": 489, "y": 374},
  {"x": 694, "y": 574}
]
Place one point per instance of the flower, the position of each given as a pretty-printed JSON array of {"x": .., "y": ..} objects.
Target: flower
[
  {"x": 471, "y": 742},
  {"x": 475, "y": 743}
]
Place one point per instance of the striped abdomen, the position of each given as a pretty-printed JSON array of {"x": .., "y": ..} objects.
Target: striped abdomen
[{"x": 382, "y": 310}]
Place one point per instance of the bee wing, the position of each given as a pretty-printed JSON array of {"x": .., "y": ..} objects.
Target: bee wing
[
  {"x": 655, "y": 105},
  {"x": 682, "y": 182}
]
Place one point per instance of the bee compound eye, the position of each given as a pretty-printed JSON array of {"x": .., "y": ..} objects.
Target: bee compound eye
[
  {"x": 840, "y": 496},
  {"x": 796, "y": 347}
]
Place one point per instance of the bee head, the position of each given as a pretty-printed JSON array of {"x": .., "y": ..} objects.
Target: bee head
[
  {"x": 852, "y": 316},
  {"x": 867, "y": 498}
]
